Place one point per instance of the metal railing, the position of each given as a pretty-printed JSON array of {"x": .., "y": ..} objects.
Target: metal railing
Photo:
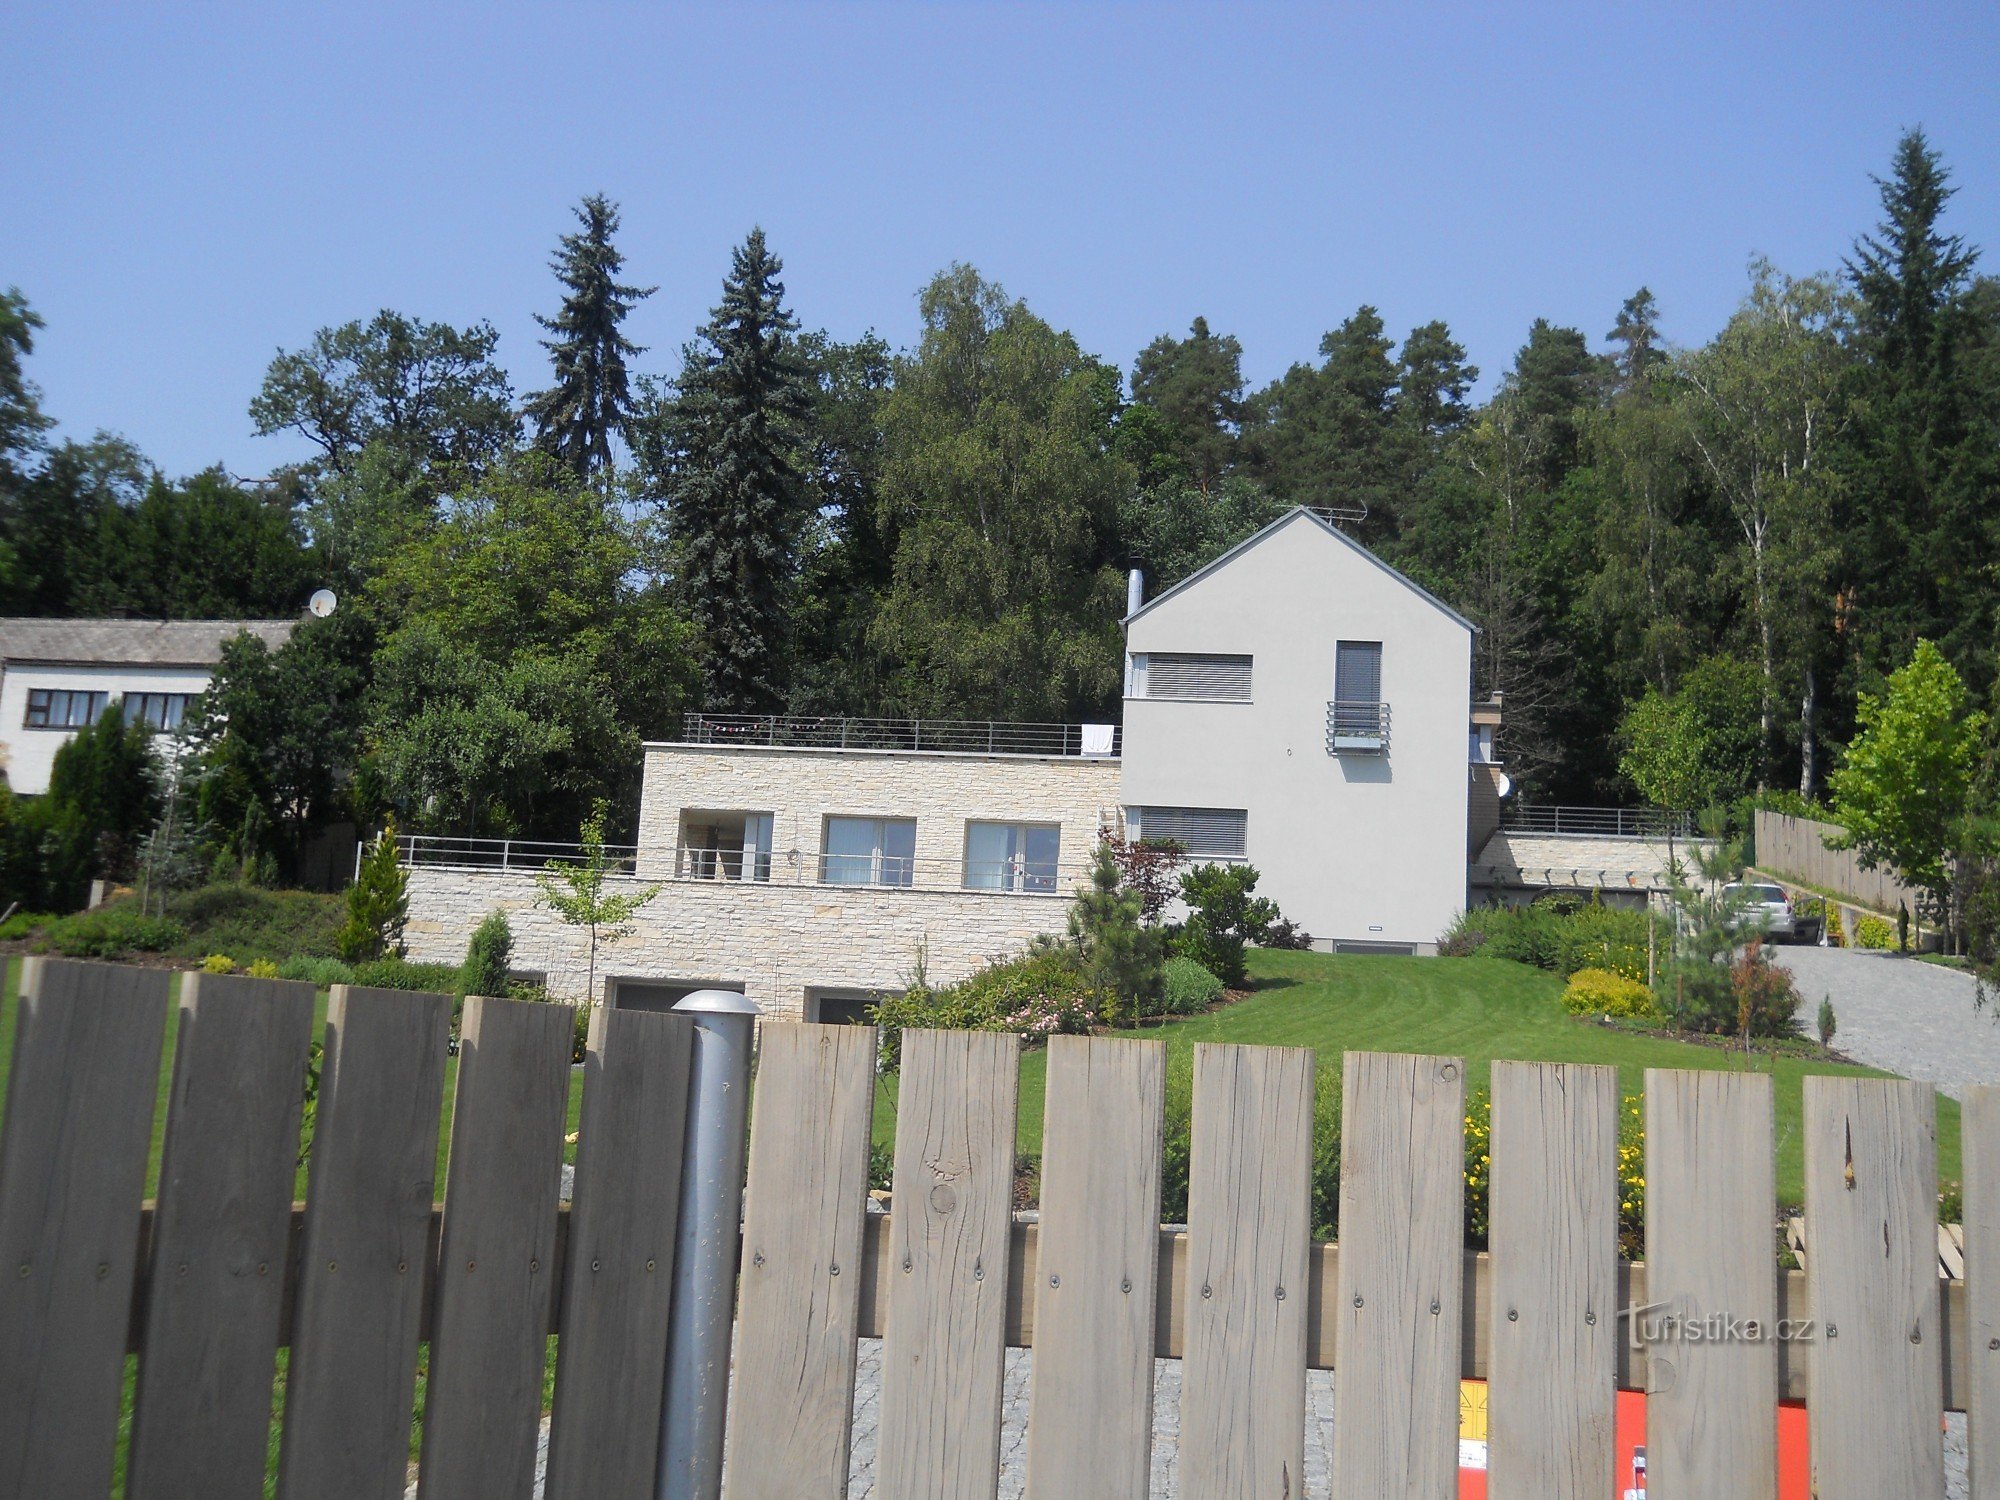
[
  {"x": 1357, "y": 724},
  {"x": 503, "y": 854},
  {"x": 1597, "y": 822},
  {"x": 963, "y": 736},
  {"x": 687, "y": 864}
]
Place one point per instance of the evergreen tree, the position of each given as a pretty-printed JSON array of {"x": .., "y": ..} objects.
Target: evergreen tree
[
  {"x": 105, "y": 786},
  {"x": 378, "y": 904},
  {"x": 1121, "y": 957},
  {"x": 1923, "y": 469},
  {"x": 1195, "y": 386},
  {"x": 590, "y": 402},
  {"x": 487, "y": 956},
  {"x": 735, "y": 491},
  {"x": 1637, "y": 335},
  {"x": 21, "y": 419}
]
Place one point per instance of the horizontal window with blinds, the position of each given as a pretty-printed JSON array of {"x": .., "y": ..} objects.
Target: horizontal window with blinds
[
  {"x": 1197, "y": 674},
  {"x": 1210, "y": 832}
]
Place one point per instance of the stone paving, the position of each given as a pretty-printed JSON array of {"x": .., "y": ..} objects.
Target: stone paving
[{"x": 1900, "y": 1014}]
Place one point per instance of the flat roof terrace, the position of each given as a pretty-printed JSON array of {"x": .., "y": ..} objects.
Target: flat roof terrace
[{"x": 901, "y": 736}]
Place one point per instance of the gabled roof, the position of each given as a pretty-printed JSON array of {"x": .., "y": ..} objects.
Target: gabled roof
[
  {"x": 1331, "y": 530},
  {"x": 150, "y": 643}
]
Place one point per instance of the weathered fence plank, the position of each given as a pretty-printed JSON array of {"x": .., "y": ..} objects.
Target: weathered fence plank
[
  {"x": 1554, "y": 1324},
  {"x": 604, "y": 1434},
  {"x": 353, "y": 1366},
  {"x": 799, "y": 1299},
  {"x": 1979, "y": 1136},
  {"x": 496, "y": 1264},
  {"x": 215, "y": 1288},
  {"x": 1402, "y": 1211},
  {"x": 1711, "y": 1419},
  {"x": 79, "y": 1120},
  {"x": 1871, "y": 1227},
  {"x": 1243, "y": 1376},
  {"x": 946, "y": 1269},
  {"x": 1090, "y": 1408}
]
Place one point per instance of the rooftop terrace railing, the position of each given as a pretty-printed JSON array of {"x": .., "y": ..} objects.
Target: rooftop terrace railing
[
  {"x": 958, "y": 736},
  {"x": 1597, "y": 822}
]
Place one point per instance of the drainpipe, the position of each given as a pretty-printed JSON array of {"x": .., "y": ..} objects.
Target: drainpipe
[{"x": 706, "y": 1245}]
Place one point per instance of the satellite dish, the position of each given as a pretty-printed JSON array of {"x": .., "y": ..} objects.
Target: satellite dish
[
  {"x": 322, "y": 603},
  {"x": 1506, "y": 783}
]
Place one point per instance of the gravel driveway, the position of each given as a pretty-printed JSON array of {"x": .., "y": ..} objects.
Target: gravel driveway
[{"x": 1912, "y": 1018}]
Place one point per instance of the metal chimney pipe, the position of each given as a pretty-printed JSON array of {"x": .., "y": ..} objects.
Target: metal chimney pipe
[
  {"x": 706, "y": 1246},
  {"x": 1135, "y": 592}
]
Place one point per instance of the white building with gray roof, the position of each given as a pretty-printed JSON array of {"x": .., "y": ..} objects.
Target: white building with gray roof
[{"x": 56, "y": 676}]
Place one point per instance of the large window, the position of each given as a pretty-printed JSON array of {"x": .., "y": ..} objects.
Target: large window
[
  {"x": 1205, "y": 832},
  {"x": 1191, "y": 675},
  {"x": 161, "y": 710},
  {"x": 1011, "y": 856},
  {"x": 870, "y": 851},
  {"x": 725, "y": 845},
  {"x": 63, "y": 708},
  {"x": 1357, "y": 719}
]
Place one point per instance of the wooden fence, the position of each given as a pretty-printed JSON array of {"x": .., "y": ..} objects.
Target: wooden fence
[
  {"x": 1796, "y": 847},
  {"x": 209, "y": 1282}
]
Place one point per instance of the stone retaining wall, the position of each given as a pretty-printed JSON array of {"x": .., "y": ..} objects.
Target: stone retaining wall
[{"x": 776, "y": 941}]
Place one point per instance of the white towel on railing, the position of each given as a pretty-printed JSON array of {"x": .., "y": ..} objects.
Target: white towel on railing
[{"x": 1099, "y": 738}]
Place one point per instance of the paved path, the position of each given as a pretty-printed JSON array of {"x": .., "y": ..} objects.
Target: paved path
[{"x": 1912, "y": 1018}]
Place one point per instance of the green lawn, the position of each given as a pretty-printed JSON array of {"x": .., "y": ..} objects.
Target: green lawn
[{"x": 1476, "y": 1008}]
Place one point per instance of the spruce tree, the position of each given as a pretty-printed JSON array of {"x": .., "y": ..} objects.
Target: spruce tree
[
  {"x": 1922, "y": 473},
  {"x": 734, "y": 490},
  {"x": 590, "y": 402}
]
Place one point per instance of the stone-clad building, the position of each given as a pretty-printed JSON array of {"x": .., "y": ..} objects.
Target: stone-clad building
[{"x": 1297, "y": 704}]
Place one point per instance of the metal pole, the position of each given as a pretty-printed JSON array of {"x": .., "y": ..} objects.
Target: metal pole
[{"x": 706, "y": 1246}]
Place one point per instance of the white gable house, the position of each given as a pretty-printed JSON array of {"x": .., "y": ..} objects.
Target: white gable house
[{"x": 1301, "y": 705}]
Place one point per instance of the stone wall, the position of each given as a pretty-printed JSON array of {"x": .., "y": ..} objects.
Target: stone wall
[
  {"x": 776, "y": 940},
  {"x": 801, "y": 787}
]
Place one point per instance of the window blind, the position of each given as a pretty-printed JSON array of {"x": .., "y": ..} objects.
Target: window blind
[
  {"x": 1213, "y": 832},
  {"x": 1357, "y": 672},
  {"x": 1188, "y": 674}
]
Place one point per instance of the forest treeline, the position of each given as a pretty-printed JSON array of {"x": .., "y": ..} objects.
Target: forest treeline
[{"x": 1758, "y": 529}]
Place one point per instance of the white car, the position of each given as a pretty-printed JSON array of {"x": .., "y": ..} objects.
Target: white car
[{"x": 1766, "y": 909}]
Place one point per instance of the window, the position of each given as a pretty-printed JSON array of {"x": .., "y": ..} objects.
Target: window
[
  {"x": 63, "y": 708},
  {"x": 1191, "y": 675},
  {"x": 725, "y": 845},
  {"x": 161, "y": 710},
  {"x": 870, "y": 851},
  {"x": 1205, "y": 832},
  {"x": 1011, "y": 856},
  {"x": 1357, "y": 719}
]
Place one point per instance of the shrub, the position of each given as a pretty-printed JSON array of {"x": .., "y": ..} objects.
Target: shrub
[
  {"x": 1874, "y": 932},
  {"x": 1561, "y": 935},
  {"x": 1223, "y": 917},
  {"x": 261, "y": 968},
  {"x": 401, "y": 974},
  {"x": 23, "y": 924},
  {"x": 484, "y": 971},
  {"x": 378, "y": 904},
  {"x": 1601, "y": 992},
  {"x": 1827, "y": 1022},
  {"x": 111, "y": 932},
  {"x": 319, "y": 971},
  {"x": 1286, "y": 934},
  {"x": 1043, "y": 988},
  {"x": 1767, "y": 1001},
  {"x": 218, "y": 963},
  {"x": 1188, "y": 989},
  {"x": 1119, "y": 955}
]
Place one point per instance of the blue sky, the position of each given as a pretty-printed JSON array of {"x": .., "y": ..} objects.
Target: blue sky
[{"x": 186, "y": 188}]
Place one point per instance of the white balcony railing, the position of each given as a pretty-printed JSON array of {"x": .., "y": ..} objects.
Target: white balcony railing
[
  {"x": 1357, "y": 726},
  {"x": 686, "y": 864}
]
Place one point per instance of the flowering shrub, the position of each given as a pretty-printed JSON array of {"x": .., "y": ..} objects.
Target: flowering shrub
[
  {"x": 1039, "y": 994},
  {"x": 1631, "y": 1172},
  {"x": 1600, "y": 992},
  {"x": 262, "y": 968},
  {"x": 218, "y": 963},
  {"x": 1874, "y": 932}
]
